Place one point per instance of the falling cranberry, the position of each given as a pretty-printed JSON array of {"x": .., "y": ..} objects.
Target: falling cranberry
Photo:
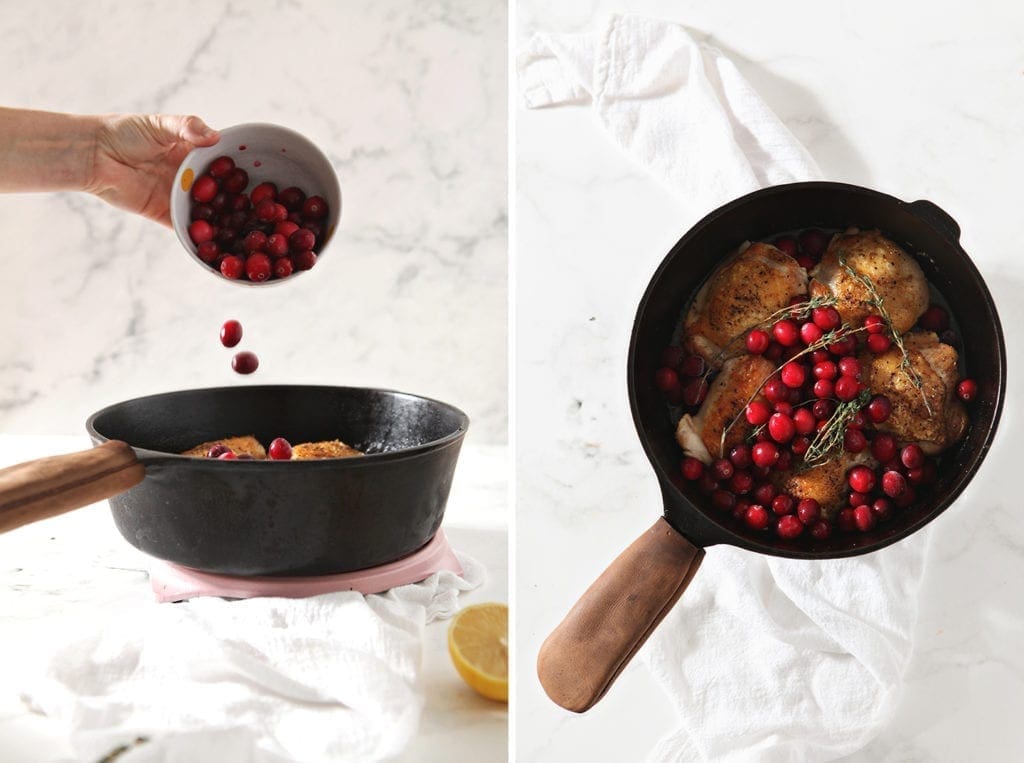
[
  {"x": 756, "y": 517},
  {"x": 231, "y": 333},
  {"x": 245, "y": 362},
  {"x": 789, "y": 527},
  {"x": 280, "y": 449},
  {"x": 813, "y": 242},
  {"x": 967, "y": 390},
  {"x": 204, "y": 189}
]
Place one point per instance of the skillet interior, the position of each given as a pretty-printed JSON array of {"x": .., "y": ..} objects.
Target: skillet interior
[{"x": 923, "y": 229}]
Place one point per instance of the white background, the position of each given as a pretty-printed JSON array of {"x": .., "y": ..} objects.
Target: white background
[
  {"x": 920, "y": 101},
  {"x": 407, "y": 100}
]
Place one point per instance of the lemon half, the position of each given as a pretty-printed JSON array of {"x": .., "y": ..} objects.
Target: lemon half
[{"x": 478, "y": 644}]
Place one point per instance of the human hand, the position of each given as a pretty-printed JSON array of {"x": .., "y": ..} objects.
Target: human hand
[{"x": 136, "y": 157}]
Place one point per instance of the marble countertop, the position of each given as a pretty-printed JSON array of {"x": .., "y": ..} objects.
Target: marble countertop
[
  {"x": 77, "y": 564},
  {"x": 916, "y": 104}
]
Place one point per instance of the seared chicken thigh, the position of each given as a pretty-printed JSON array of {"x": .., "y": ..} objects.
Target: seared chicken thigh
[
  {"x": 742, "y": 292},
  {"x": 897, "y": 278},
  {"x": 701, "y": 436},
  {"x": 910, "y": 421},
  {"x": 826, "y": 483}
]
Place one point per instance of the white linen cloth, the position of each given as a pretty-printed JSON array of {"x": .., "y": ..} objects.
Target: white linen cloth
[
  {"x": 763, "y": 659},
  {"x": 328, "y": 678}
]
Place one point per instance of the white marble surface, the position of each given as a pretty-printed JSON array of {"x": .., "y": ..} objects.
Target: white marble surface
[
  {"x": 406, "y": 99},
  {"x": 921, "y": 104},
  {"x": 77, "y": 565}
]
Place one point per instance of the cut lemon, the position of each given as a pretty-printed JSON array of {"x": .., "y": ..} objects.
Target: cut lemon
[{"x": 478, "y": 643}]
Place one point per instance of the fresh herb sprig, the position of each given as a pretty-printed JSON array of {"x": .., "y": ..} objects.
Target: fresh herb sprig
[{"x": 830, "y": 437}]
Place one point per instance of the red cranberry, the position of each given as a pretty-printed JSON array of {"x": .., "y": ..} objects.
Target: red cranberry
[
  {"x": 231, "y": 333},
  {"x": 303, "y": 239},
  {"x": 787, "y": 244},
  {"x": 800, "y": 445},
  {"x": 813, "y": 242},
  {"x": 785, "y": 408},
  {"x": 808, "y": 511},
  {"x": 824, "y": 388},
  {"x": 859, "y": 420},
  {"x": 280, "y": 213},
  {"x": 810, "y": 333},
  {"x": 280, "y": 449},
  {"x": 692, "y": 468},
  {"x": 878, "y": 343},
  {"x": 692, "y": 365},
  {"x": 786, "y": 333},
  {"x": 845, "y": 520},
  {"x": 781, "y": 428},
  {"x": 882, "y": 509},
  {"x": 254, "y": 241},
  {"x": 266, "y": 211},
  {"x": 232, "y": 267},
  {"x": 257, "y": 267},
  {"x": 764, "y": 493},
  {"x": 221, "y": 166},
  {"x": 226, "y": 237},
  {"x": 894, "y": 484},
  {"x": 864, "y": 518},
  {"x": 671, "y": 356},
  {"x": 821, "y": 530},
  {"x": 202, "y": 212},
  {"x": 287, "y": 228},
  {"x": 807, "y": 263},
  {"x": 803, "y": 421},
  {"x": 240, "y": 203},
  {"x": 859, "y": 499},
  {"x": 874, "y": 324},
  {"x": 740, "y": 456},
  {"x": 854, "y": 440},
  {"x": 723, "y": 500},
  {"x": 849, "y": 367},
  {"x": 236, "y": 180},
  {"x": 314, "y": 208},
  {"x": 208, "y": 251},
  {"x": 967, "y": 390},
  {"x": 217, "y": 450},
  {"x": 204, "y": 189},
  {"x": 764, "y": 454},
  {"x": 879, "y": 409},
  {"x": 775, "y": 391},
  {"x": 793, "y": 375},
  {"x": 200, "y": 231},
  {"x": 245, "y": 362},
  {"x": 823, "y": 409},
  {"x": 934, "y": 319},
  {"x": 292, "y": 198},
  {"x": 722, "y": 469},
  {"x": 785, "y": 461},
  {"x": 826, "y": 318},
  {"x": 789, "y": 527},
  {"x": 283, "y": 269},
  {"x": 220, "y": 202},
  {"x": 706, "y": 483},
  {"x": 820, "y": 356},
  {"x": 758, "y": 341},
  {"x": 774, "y": 352},
  {"x": 693, "y": 391},
  {"x": 861, "y": 479},
  {"x": 262, "y": 192},
  {"x": 739, "y": 511},
  {"x": 756, "y": 517},
  {"x": 883, "y": 448},
  {"x": 666, "y": 379},
  {"x": 783, "y": 504},
  {"x": 741, "y": 483},
  {"x": 846, "y": 388},
  {"x": 844, "y": 346},
  {"x": 229, "y": 456},
  {"x": 825, "y": 370},
  {"x": 306, "y": 260},
  {"x": 295, "y": 217},
  {"x": 912, "y": 456},
  {"x": 277, "y": 245}
]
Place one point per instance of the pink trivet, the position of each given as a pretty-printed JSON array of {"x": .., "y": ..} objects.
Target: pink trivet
[{"x": 172, "y": 582}]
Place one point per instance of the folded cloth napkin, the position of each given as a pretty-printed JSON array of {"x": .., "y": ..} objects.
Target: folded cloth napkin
[
  {"x": 763, "y": 659},
  {"x": 332, "y": 677}
]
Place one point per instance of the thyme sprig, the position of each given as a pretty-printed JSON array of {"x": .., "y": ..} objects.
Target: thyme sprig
[
  {"x": 879, "y": 304},
  {"x": 786, "y": 313},
  {"x": 830, "y": 337},
  {"x": 830, "y": 437}
]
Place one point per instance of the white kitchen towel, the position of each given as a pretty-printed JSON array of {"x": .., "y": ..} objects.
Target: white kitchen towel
[
  {"x": 329, "y": 678},
  {"x": 763, "y": 659}
]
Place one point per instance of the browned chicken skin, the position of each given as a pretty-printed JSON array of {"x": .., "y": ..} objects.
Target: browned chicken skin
[
  {"x": 701, "y": 435},
  {"x": 746, "y": 289},
  {"x": 826, "y": 484},
  {"x": 910, "y": 421},
  {"x": 897, "y": 278}
]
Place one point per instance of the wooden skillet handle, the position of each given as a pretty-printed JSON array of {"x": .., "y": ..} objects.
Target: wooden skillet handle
[
  {"x": 584, "y": 655},
  {"x": 49, "y": 486}
]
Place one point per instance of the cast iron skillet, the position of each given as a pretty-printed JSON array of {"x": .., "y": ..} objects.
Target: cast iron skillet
[
  {"x": 257, "y": 517},
  {"x": 586, "y": 652}
]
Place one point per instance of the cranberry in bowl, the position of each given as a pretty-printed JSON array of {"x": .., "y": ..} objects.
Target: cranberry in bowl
[{"x": 259, "y": 207}]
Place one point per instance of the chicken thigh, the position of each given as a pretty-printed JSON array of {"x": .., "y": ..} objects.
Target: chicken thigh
[
  {"x": 826, "y": 483},
  {"x": 701, "y": 436},
  {"x": 896, "y": 276},
  {"x": 742, "y": 292},
  {"x": 910, "y": 421}
]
